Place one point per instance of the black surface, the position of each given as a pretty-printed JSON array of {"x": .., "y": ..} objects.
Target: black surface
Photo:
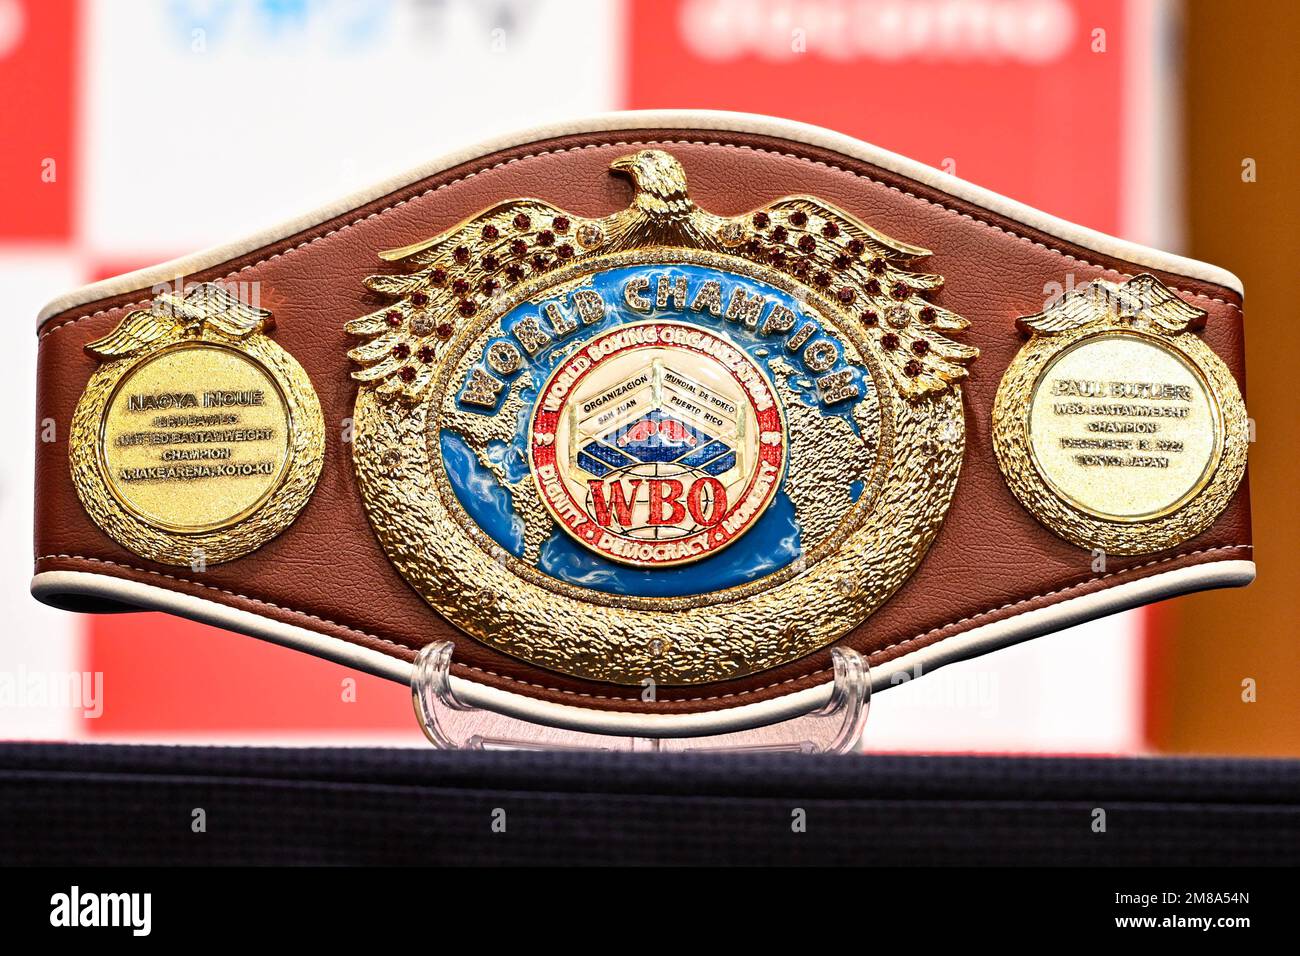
[{"x": 99, "y": 804}]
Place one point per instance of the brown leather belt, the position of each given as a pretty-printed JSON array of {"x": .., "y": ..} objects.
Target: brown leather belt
[{"x": 677, "y": 401}]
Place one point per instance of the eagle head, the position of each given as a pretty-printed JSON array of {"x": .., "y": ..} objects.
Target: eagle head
[{"x": 659, "y": 180}]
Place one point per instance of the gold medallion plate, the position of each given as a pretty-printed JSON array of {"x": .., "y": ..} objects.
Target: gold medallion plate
[
  {"x": 1115, "y": 425},
  {"x": 198, "y": 439}
]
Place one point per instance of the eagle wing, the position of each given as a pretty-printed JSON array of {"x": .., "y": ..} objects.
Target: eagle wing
[
  {"x": 138, "y": 330},
  {"x": 1142, "y": 297},
  {"x": 1161, "y": 305},
  {"x": 211, "y": 304},
  {"x": 869, "y": 275},
  {"x": 1080, "y": 306},
  {"x": 455, "y": 274},
  {"x": 450, "y": 278}
]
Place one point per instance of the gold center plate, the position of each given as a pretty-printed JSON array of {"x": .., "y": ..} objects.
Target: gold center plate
[{"x": 865, "y": 442}]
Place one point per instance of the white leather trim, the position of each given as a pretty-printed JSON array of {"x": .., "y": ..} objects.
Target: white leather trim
[
  {"x": 660, "y": 119},
  {"x": 51, "y": 586}
]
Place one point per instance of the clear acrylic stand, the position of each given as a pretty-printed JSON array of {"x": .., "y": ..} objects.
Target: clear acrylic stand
[{"x": 453, "y": 725}]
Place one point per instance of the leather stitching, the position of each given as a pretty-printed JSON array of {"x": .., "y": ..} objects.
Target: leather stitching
[
  {"x": 637, "y": 143},
  {"x": 757, "y": 690}
]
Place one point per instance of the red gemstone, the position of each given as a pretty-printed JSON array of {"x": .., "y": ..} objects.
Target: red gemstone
[
  {"x": 799, "y": 219},
  {"x": 438, "y": 276},
  {"x": 753, "y": 247},
  {"x": 846, "y": 295},
  {"x": 514, "y": 272},
  {"x": 540, "y": 261},
  {"x": 856, "y": 246},
  {"x": 393, "y": 318},
  {"x": 807, "y": 243},
  {"x": 777, "y": 257},
  {"x": 889, "y": 341},
  {"x": 900, "y": 291},
  {"x": 490, "y": 263},
  {"x": 461, "y": 255},
  {"x": 460, "y": 286},
  {"x": 490, "y": 286},
  {"x": 873, "y": 287},
  {"x": 401, "y": 350},
  {"x": 876, "y": 267},
  {"x": 920, "y": 346},
  {"x": 928, "y": 315},
  {"x": 425, "y": 354},
  {"x": 560, "y": 223},
  {"x": 822, "y": 278},
  {"x": 912, "y": 369},
  {"x": 762, "y": 220},
  {"x": 444, "y": 330},
  {"x": 407, "y": 374},
  {"x": 545, "y": 237},
  {"x": 564, "y": 250},
  {"x": 466, "y": 308},
  {"x": 830, "y": 230},
  {"x": 490, "y": 231},
  {"x": 518, "y": 247},
  {"x": 522, "y": 221},
  {"x": 419, "y": 299},
  {"x": 869, "y": 318},
  {"x": 779, "y": 234},
  {"x": 842, "y": 261}
]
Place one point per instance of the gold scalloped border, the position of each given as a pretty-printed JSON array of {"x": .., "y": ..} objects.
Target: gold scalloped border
[
  {"x": 1010, "y": 436},
  {"x": 238, "y": 538},
  {"x": 472, "y": 583}
]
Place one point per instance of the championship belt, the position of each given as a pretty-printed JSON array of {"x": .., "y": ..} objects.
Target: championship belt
[{"x": 671, "y": 400}]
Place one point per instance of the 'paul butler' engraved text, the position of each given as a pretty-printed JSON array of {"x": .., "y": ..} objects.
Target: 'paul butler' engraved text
[
  {"x": 1155, "y": 391},
  {"x": 1145, "y": 401}
]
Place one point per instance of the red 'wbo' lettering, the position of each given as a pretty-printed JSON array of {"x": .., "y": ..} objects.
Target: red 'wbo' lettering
[
  {"x": 621, "y": 496},
  {"x": 613, "y": 501}
]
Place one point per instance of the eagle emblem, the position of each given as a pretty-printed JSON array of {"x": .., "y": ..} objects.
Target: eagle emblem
[{"x": 453, "y": 277}]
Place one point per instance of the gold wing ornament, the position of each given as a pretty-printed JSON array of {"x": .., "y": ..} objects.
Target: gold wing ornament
[
  {"x": 455, "y": 275},
  {"x": 1147, "y": 299},
  {"x": 202, "y": 306},
  {"x": 137, "y": 331},
  {"x": 830, "y": 247},
  {"x": 212, "y": 305},
  {"x": 1141, "y": 301}
]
